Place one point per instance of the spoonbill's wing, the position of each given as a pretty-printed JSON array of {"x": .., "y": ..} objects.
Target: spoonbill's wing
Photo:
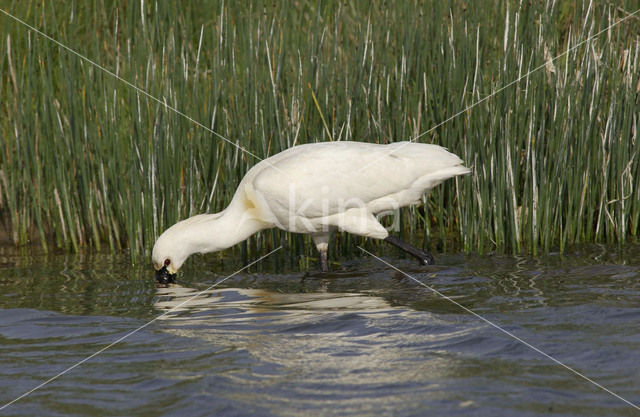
[{"x": 331, "y": 177}]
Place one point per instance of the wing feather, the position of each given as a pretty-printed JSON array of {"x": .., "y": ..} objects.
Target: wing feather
[{"x": 324, "y": 179}]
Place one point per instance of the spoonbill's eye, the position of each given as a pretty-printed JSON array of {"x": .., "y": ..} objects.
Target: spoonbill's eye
[{"x": 167, "y": 262}]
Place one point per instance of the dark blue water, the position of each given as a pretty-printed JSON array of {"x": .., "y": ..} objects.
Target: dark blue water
[{"x": 362, "y": 340}]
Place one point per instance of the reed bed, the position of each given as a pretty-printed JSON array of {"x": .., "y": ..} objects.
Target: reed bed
[{"x": 88, "y": 161}]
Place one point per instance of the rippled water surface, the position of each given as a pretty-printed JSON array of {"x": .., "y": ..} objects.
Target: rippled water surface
[{"x": 362, "y": 340}]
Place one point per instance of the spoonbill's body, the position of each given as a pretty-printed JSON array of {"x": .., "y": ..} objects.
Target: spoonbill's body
[{"x": 315, "y": 188}]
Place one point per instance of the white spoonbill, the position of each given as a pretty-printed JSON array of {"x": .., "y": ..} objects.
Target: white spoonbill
[{"x": 315, "y": 188}]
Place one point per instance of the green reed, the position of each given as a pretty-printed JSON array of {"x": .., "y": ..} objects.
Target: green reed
[{"x": 87, "y": 160}]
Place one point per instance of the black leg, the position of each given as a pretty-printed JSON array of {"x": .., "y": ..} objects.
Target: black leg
[
  {"x": 324, "y": 263},
  {"x": 425, "y": 258}
]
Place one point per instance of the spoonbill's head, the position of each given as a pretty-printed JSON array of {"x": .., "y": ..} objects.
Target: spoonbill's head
[{"x": 168, "y": 256}]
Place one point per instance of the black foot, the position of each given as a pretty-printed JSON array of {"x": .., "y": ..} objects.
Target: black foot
[{"x": 425, "y": 258}]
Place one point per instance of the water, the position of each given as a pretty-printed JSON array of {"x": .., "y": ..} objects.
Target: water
[{"x": 362, "y": 340}]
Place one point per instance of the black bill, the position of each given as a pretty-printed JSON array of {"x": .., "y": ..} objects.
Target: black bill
[{"x": 163, "y": 277}]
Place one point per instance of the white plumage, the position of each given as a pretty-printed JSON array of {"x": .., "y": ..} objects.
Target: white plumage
[{"x": 314, "y": 188}]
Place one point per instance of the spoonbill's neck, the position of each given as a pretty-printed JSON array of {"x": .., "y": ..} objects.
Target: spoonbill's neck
[{"x": 213, "y": 232}]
